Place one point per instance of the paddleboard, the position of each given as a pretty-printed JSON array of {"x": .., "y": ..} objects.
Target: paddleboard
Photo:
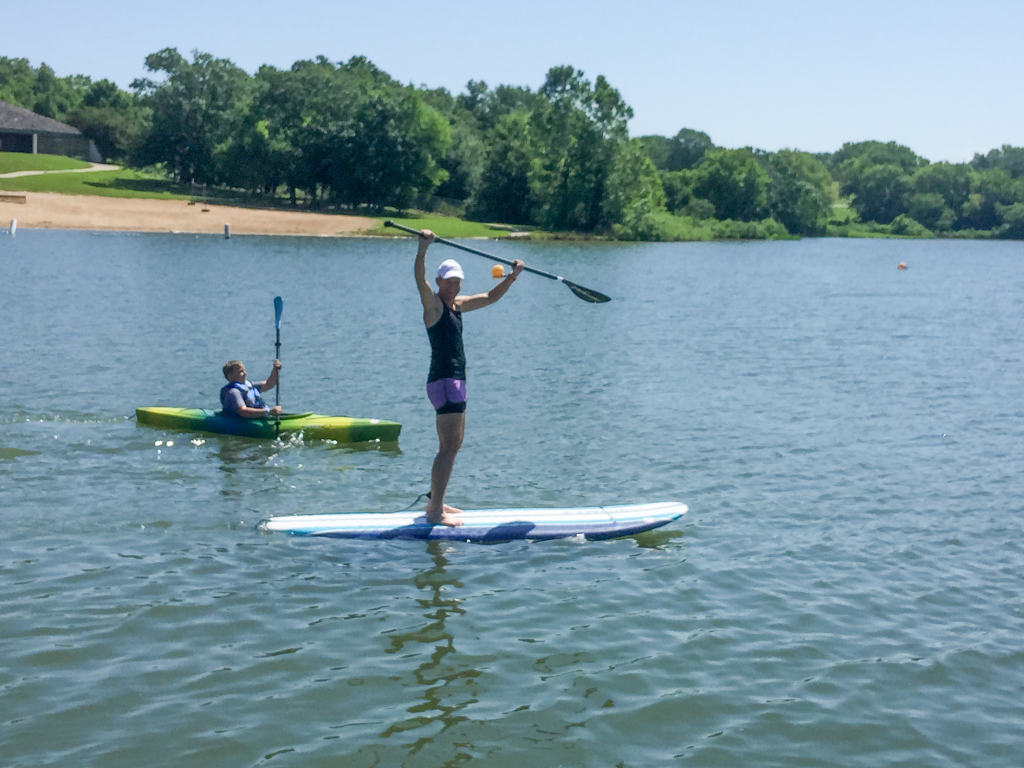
[{"x": 486, "y": 524}]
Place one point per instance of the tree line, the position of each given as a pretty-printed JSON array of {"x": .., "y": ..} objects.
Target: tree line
[
  {"x": 347, "y": 135},
  {"x": 890, "y": 185}
]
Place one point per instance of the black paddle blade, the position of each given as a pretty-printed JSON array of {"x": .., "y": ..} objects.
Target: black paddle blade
[{"x": 587, "y": 294}]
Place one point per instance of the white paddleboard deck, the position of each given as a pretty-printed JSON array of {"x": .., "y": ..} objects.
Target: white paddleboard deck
[{"x": 486, "y": 524}]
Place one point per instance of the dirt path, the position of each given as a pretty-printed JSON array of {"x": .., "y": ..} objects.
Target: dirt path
[{"x": 53, "y": 211}]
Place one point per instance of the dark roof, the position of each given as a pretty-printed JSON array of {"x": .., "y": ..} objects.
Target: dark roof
[{"x": 14, "y": 118}]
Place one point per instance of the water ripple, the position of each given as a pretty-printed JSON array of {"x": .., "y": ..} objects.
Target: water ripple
[{"x": 846, "y": 589}]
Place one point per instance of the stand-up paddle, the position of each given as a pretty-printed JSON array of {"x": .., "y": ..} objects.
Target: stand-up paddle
[
  {"x": 278, "y": 309},
  {"x": 587, "y": 294}
]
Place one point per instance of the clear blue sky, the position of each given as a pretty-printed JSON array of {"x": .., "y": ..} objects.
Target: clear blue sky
[{"x": 944, "y": 78}]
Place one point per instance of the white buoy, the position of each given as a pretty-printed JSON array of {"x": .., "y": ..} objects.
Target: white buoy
[
  {"x": 14, "y": 226},
  {"x": 227, "y": 231}
]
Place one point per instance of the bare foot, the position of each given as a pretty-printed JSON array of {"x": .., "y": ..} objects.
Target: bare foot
[
  {"x": 449, "y": 510},
  {"x": 445, "y": 518}
]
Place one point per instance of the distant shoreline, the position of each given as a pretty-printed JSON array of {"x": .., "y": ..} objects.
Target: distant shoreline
[
  {"x": 93, "y": 213},
  {"x": 49, "y": 210}
]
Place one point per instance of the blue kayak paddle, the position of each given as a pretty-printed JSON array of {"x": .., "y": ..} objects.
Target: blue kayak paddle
[{"x": 278, "y": 309}]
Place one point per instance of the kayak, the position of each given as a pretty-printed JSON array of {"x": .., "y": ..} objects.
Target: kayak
[
  {"x": 313, "y": 426},
  {"x": 486, "y": 524}
]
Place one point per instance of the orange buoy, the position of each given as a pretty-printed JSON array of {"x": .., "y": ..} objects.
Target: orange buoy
[
  {"x": 901, "y": 265},
  {"x": 497, "y": 271}
]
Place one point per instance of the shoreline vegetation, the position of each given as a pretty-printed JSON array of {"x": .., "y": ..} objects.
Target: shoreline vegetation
[{"x": 345, "y": 141}]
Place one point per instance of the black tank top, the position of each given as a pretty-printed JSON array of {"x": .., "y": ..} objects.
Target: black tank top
[{"x": 447, "y": 358}]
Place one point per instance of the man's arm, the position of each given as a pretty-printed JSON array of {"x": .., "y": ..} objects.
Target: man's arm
[
  {"x": 479, "y": 300},
  {"x": 432, "y": 308}
]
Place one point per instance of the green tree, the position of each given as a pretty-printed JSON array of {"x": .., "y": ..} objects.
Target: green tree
[
  {"x": 1012, "y": 217},
  {"x": 861, "y": 155},
  {"x": 878, "y": 176},
  {"x": 392, "y": 154},
  {"x": 633, "y": 188},
  {"x": 114, "y": 119},
  {"x": 464, "y": 160},
  {"x": 990, "y": 188},
  {"x": 678, "y": 186},
  {"x": 880, "y": 191},
  {"x": 951, "y": 182},
  {"x": 349, "y": 133},
  {"x": 1009, "y": 159},
  {"x": 40, "y": 90},
  {"x": 252, "y": 160},
  {"x": 17, "y": 82},
  {"x": 688, "y": 149},
  {"x": 488, "y": 106},
  {"x": 54, "y": 96},
  {"x": 734, "y": 182},
  {"x": 682, "y": 152},
  {"x": 577, "y": 128},
  {"x": 659, "y": 149},
  {"x": 800, "y": 192},
  {"x": 285, "y": 126},
  {"x": 195, "y": 110},
  {"x": 930, "y": 209},
  {"x": 505, "y": 193},
  {"x": 474, "y": 99}
]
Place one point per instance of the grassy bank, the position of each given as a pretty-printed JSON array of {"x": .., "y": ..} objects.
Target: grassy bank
[
  {"x": 442, "y": 226},
  {"x": 11, "y": 162},
  {"x": 120, "y": 183}
]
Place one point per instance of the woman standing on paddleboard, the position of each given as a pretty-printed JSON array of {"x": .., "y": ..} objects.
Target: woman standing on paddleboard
[{"x": 446, "y": 383}]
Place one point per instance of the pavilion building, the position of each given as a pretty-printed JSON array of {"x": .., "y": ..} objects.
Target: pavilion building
[{"x": 22, "y": 130}]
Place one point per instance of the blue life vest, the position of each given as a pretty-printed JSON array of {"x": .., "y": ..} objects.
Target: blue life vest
[{"x": 250, "y": 395}]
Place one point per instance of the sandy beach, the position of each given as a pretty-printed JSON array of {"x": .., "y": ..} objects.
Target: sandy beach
[{"x": 53, "y": 211}]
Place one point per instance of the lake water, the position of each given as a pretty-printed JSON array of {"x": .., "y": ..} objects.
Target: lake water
[{"x": 846, "y": 590}]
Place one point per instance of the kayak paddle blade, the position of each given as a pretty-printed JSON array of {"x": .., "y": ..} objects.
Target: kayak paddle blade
[{"x": 587, "y": 294}]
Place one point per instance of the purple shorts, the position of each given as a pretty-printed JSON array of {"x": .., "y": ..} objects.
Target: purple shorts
[{"x": 447, "y": 395}]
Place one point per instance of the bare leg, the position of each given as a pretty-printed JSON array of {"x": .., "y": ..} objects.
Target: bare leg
[{"x": 450, "y": 429}]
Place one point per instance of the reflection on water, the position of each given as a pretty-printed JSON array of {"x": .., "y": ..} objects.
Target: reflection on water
[
  {"x": 390, "y": 449},
  {"x": 438, "y": 677},
  {"x": 657, "y": 538},
  {"x": 235, "y": 453},
  {"x": 13, "y": 453}
]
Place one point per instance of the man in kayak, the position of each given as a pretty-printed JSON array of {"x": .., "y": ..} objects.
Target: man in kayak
[
  {"x": 446, "y": 383},
  {"x": 241, "y": 397}
]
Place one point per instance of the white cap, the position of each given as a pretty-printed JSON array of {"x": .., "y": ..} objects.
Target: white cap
[{"x": 450, "y": 268}]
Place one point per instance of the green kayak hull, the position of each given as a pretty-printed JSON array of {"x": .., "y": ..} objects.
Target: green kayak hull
[{"x": 312, "y": 426}]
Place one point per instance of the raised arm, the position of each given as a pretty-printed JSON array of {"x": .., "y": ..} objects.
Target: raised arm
[
  {"x": 432, "y": 308},
  {"x": 271, "y": 381},
  {"x": 478, "y": 300}
]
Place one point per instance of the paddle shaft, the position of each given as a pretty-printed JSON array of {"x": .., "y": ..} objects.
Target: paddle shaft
[
  {"x": 586, "y": 294},
  {"x": 278, "y": 309},
  {"x": 277, "y": 356},
  {"x": 461, "y": 247}
]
